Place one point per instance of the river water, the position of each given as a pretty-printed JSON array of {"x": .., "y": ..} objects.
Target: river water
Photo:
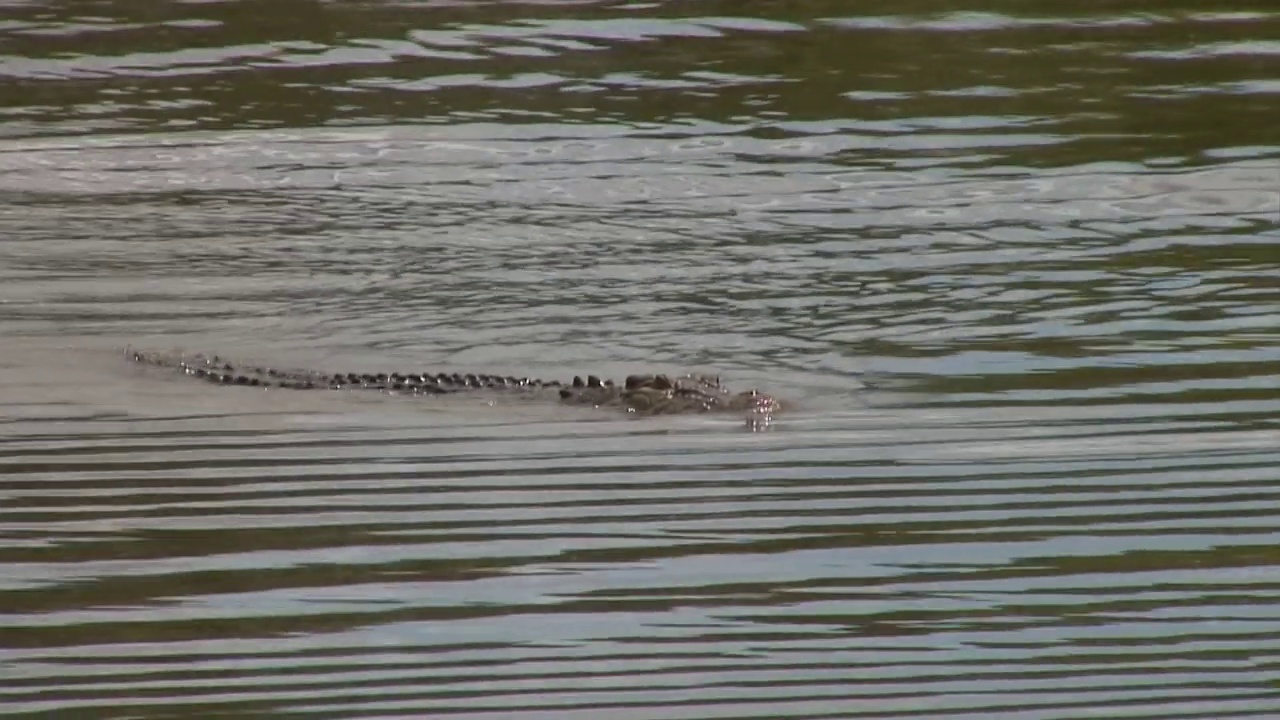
[{"x": 1012, "y": 266}]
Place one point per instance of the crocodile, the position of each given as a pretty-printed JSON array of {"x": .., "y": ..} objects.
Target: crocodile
[{"x": 648, "y": 394}]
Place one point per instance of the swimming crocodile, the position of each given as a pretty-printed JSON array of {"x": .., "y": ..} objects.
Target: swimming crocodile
[{"x": 639, "y": 394}]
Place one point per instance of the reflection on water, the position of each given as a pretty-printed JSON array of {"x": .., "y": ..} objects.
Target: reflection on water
[{"x": 1012, "y": 267}]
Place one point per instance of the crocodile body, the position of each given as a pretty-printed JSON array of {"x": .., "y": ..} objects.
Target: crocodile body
[{"x": 639, "y": 394}]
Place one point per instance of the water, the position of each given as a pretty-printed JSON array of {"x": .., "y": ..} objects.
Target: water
[{"x": 1012, "y": 266}]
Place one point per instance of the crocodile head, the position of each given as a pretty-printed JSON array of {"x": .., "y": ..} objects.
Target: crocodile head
[{"x": 663, "y": 395}]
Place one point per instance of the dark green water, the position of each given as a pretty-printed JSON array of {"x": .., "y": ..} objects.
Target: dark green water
[{"x": 1015, "y": 265}]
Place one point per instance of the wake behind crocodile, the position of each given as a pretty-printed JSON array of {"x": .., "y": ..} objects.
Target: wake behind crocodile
[{"x": 641, "y": 394}]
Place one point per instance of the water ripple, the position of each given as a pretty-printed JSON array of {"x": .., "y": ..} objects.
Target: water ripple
[{"x": 1011, "y": 273}]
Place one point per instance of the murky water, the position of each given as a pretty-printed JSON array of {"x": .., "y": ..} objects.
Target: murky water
[{"x": 1013, "y": 266}]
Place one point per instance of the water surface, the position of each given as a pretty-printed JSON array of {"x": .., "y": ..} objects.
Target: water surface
[{"x": 1012, "y": 264}]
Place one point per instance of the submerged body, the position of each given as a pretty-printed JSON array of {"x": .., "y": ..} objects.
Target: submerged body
[{"x": 639, "y": 394}]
